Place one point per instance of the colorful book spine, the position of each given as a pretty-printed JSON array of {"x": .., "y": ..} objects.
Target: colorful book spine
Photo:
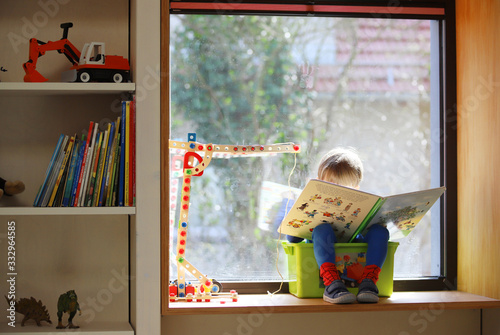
[
  {"x": 55, "y": 170},
  {"x": 67, "y": 154},
  {"x": 71, "y": 173},
  {"x": 116, "y": 179},
  {"x": 77, "y": 173},
  {"x": 132, "y": 140},
  {"x": 100, "y": 168},
  {"x": 93, "y": 173},
  {"x": 43, "y": 188},
  {"x": 126, "y": 188},
  {"x": 111, "y": 175},
  {"x": 121, "y": 177},
  {"x": 88, "y": 167},
  {"x": 107, "y": 157},
  {"x": 84, "y": 162},
  {"x": 60, "y": 190}
]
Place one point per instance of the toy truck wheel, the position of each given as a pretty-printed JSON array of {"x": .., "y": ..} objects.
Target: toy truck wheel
[
  {"x": 117, "y": 77},
  {"x": 218, "y": 285},
  {"x": 84, "y": 76}
]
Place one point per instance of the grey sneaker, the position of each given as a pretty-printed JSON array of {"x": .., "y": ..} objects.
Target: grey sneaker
[
  {"x": 337, "y": 293},
  {"x": 368, "y": 292}
]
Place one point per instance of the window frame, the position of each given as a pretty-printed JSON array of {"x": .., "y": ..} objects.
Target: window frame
[{"x": 447, "y": 280}]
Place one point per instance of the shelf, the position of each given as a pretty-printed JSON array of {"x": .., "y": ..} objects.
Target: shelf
[
  {"x": 106, "y": 328},
  {"x": 67, "y": 211},
  {"x": 287, "y": 303},
  {"x": 44, "y": 89}
]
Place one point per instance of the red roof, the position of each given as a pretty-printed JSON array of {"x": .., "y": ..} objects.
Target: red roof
[{"x": 388, "y": 58}]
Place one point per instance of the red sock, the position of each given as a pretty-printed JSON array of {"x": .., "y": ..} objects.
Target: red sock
[
  {"x": 371, "y": 272},
  {"x": 329, "y": 273}
]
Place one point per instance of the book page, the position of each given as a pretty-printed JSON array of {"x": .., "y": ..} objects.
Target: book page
[
  {"x": 401, "y": 213},
  {"x": 321, "y": 202}
]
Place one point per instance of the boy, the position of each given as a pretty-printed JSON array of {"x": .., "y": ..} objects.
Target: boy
[{"x": 344, "y": 167}]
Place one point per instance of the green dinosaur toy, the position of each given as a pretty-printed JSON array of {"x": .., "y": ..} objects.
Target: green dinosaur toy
[{"x": 67, "y": 303}]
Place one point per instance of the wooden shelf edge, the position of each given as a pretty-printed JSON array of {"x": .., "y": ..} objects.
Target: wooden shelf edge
[
  {"x": 287, "y": 303},
  {"x": 18, "y": 211}
]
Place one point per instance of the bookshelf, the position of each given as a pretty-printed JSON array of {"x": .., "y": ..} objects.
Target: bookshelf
[
  {"x": 12, "y": 211},
  {"x": 59, "y": 89},
  {"x": 108, "y": 328},
  {"x": 100, "y": 252}
]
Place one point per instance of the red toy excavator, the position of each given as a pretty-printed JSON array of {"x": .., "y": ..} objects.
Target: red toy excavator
[{"x": 92, "y": 64}]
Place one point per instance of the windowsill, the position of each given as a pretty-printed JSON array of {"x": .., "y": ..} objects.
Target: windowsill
[{"x": 287, "y": 303}]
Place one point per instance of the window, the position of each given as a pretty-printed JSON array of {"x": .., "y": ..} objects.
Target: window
[{"x": 369, "y": 82}]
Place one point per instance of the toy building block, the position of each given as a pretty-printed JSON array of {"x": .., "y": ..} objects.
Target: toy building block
[{"x": 194, "y": 165}]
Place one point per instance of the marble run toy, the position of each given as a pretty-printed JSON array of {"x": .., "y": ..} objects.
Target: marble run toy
[{"x": 197, "y": 157}]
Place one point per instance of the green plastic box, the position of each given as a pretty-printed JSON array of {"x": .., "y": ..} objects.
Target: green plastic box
[{"x": 303, "y": 272}]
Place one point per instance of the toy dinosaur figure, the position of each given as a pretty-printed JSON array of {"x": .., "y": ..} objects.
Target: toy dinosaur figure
[
  {"x": 31, "y": 309},
  {"x": 67, "y": 303}
]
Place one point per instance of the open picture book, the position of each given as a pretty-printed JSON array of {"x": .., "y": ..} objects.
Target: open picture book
[{"x": 352, "y": 212}]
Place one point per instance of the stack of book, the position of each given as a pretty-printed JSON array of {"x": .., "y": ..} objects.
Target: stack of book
[{"x": 95, "y": 170}]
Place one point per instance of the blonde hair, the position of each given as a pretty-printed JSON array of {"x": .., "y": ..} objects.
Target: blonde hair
[{"x": 341, "y": 166}]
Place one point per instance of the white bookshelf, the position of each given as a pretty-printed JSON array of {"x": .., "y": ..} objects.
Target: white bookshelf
[
  {"x": 50, "y": 89},
  {"x": 95, "y": 328},
  {"x": 109, "y": 241},
  {"x": 17, "y": 211}
]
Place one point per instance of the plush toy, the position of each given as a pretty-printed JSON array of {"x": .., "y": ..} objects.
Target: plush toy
[{"x": 10, "y": 187}]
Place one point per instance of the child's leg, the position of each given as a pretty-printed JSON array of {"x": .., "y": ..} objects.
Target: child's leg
[
  {"x": 294, "y": 239},
  {"x": 377, "y": 239},
  {"x": 324, "y": 251},
  {"x": 324, "y": 238}
]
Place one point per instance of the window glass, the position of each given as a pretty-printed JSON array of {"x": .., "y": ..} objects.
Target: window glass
[{"x": 316, "y": 81}]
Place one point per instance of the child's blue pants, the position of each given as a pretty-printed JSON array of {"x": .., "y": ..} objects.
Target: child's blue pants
[{"x": 324, "y": 238}]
